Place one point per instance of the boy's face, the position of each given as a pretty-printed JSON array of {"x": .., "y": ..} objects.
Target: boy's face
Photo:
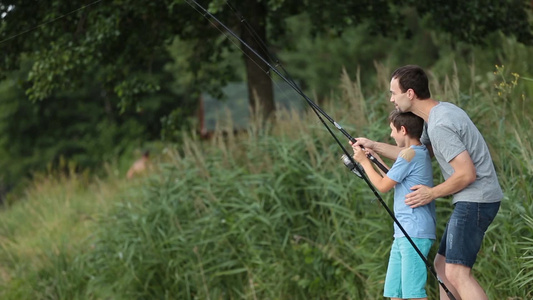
[{"x": 397, "y": 135}]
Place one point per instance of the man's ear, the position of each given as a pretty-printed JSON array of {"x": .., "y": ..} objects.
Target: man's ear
[{"x": 411, "y": 94}]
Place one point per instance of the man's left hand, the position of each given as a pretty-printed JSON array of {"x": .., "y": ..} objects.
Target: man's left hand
[{"x": 421, "y": 196}]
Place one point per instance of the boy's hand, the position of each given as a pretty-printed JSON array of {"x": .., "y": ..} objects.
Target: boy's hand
[
  {"x": 358, "y": 154},
  {"x": 371, "y": 152}
]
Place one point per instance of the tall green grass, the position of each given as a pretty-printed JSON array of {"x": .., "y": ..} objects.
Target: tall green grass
[
  {"x": 41, "y": 235},
  {"x": 267, "y": 214}
]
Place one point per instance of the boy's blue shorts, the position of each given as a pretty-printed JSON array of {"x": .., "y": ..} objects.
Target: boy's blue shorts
[{"x": 407, "y": 273}]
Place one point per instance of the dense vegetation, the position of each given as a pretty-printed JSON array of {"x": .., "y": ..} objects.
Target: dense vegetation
[
  {"x": 88, "y": 84},
  {"x": 268, "y": 214}
]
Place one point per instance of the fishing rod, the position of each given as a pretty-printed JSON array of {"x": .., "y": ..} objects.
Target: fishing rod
[{"x": 348, "y": 160}]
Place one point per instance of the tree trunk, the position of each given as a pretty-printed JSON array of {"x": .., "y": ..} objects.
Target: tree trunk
[{"x": 259, "y": 82}]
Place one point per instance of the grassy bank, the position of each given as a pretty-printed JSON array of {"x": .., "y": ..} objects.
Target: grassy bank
[{"x": 267, "y": 214}]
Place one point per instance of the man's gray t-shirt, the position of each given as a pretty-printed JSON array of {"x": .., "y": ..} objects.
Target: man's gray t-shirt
[{"x": 450, "y": 131}]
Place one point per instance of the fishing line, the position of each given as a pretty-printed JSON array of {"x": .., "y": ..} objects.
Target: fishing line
[
  {"x": 48, "y": 22},
  {"x": 317, "y": 109}
]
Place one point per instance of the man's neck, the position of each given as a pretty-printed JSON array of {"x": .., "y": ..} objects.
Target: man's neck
[{"x": 422, "y": 108}]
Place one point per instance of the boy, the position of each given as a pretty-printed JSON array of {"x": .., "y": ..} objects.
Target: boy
[{"x": 406, "y": 274}]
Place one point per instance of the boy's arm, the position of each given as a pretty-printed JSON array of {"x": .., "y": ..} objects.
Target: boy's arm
[
  {"x": 376, "y": 156},
  {"x": 382, "y": 184}
]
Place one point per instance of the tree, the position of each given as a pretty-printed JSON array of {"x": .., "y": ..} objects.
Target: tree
[
  {"x": 74, "y": 130},
  {"x": 472, "y": 21},
  {"x": 121, "y": 38}
]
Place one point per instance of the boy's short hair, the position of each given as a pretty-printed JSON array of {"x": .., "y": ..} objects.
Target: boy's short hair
[{"x": 414, "y": 125}]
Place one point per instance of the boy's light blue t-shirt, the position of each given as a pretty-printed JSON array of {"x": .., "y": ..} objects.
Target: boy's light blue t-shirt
[{"x": 418, "y": 222}]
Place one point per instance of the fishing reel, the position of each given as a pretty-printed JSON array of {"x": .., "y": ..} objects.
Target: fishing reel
[{"x": 349, "y": 163}]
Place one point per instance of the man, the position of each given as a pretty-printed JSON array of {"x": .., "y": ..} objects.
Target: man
[{"x": 469, "y": 174}]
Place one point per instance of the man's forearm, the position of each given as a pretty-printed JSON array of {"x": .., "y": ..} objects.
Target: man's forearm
[
  {"x": 464, "y": 174},
  {"x": 452, "y": 185},
  {"x": 387, "y": 150}
]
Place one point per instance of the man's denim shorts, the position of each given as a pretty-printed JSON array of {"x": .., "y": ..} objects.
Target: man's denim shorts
[{"x": 465, "y": 230}]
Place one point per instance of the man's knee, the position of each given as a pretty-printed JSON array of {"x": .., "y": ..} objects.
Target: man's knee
[
  {"x": 439, "y": 263},
  {"x": 456, "y": 273}
]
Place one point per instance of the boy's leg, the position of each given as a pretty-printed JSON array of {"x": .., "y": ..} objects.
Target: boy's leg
[
  {"x": 393, "y": 284},
  {"x": 414, "y": 269}
]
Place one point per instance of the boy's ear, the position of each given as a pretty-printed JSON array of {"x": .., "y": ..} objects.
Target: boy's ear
[{"x": 403, "y": 130}]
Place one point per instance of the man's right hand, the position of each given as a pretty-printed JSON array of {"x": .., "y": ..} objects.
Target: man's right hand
[{"x": 365, "y": 143}]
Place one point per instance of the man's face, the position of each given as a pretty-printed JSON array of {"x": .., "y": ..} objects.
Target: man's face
[
  {"x": 400, "y": 100},
  {"x": 397, "y": 135}
]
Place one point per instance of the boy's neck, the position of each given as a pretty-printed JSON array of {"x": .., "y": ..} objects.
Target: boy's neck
[{"x": 412, "y": 142}]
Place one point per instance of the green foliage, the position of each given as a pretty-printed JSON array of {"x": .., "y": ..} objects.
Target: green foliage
[
  {"x": 268, "y": 214},
  {"x": 524, "y": 279},
  {"x": 318, "y": 62},
  {"x": 62, "y": 210},
  {"x": 117, "y": 38},
  {"x": 472, "y": 21},
  {"x": 216, "y": 239},
  {"x": 124, "y": 38},
  {"x": 84, "y": 129},
  {"x": 152, "y": 60}
]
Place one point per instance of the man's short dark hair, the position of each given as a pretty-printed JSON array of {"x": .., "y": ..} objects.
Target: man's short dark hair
[
  {"x": 414, "y": 125},
  {"x": 413, "y": 77}
]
